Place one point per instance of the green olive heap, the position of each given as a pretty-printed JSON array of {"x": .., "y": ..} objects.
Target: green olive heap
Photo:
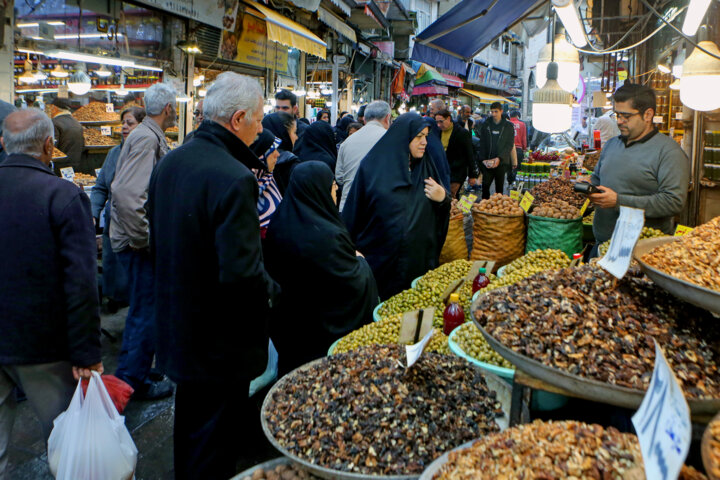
[
  {"x": 472, "y": 342},
  {"x": 530, "y": 264}
]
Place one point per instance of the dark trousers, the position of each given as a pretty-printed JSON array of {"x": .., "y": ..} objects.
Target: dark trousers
[
  {"x": 138, "y": 345},
  {"x": 214, "y": 423},
  {"x": 114, "y": 277},
  {"x": 491, "y": 175}
]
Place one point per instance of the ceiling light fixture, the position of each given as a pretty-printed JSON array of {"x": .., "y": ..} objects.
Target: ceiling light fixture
[
  {"x": 59, "y": 71},
  {"x": 552, "y": 104},
  {"x": 694, "y": 15},
  {"x": 701, "y": 77},
  {"x": 190, "y": 47},
  {"x": 39, "y": 73},
  {"x": 79, "y": 82},
  {"x": 568, "y": 60},
  {"x": 87, "y": 58},
  {"x": 54, "y": 23},
  {"x": 103, "y": 72}
]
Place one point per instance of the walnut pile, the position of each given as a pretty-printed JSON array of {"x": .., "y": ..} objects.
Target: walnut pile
[
  {"x": 95, "y": 112},
  {"x": 556, "y": 208}
]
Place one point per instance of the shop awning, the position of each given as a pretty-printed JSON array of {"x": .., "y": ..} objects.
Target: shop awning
[
  {"x": 285, "y": 31},
  {"x": 452, "y": 80},
  {"x": 468, "y": 28},
  {"x": 429, "y": 90},
  {"x": 488, "y": 98},
  {"x": 426, "y": 73},
  {"x": 329, "y": 19}
]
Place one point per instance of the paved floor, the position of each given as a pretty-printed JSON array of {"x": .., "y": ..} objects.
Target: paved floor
[{"x": 149, "y": 422}]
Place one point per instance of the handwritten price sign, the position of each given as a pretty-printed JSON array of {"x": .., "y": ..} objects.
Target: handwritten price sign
[{"x": 625, "y": 236}]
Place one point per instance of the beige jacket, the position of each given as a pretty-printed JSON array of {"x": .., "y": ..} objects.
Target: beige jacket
[{"x": 143, "y": 148}]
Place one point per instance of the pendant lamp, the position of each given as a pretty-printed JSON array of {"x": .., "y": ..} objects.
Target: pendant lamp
[
  {"x": 27, "y": 76},
  {"x": 552, "y": 105},
  {"x": 59, "y": 71},
  {"x": 79, "y": 83},
  {"x": 568, "y": 60},
  {"x": 700, "y": 80}
]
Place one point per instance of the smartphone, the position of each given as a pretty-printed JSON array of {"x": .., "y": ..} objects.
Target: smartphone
[{"x": 586, "y": 188}]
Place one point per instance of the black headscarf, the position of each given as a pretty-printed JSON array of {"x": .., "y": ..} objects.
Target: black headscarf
[
  {"x": 287, "y": 160},
  {"x": 398, "y": 229},
  {"x": 318, "y": 143},
  {"x": 327, "y": 291},
  {"x": 341, "y": 128},
  {"x": 277, "y": 127},
  {"x": 262, "y": 144}
]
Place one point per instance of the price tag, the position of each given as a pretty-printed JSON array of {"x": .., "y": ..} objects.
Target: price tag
[
  {"x": 681, "y": 230},
  {"x": 68, "y": 173},
  {"x": 63, "y": 91},
  {"x": 527, "y": 201},
  {"x": 663, "y": 423},
  {"x": 625, "y": 236},
  {"x": 584, "y": 207},
  {"x": 97, "y": 172},
  {"x": 413, "y": 352},
  {"x": 515, "y": 195},
  {"x": 109, "y": 107},
  {"x": 415, "y": 325},
  {"x": 106, "y": 130},
  {"x": 658, "y": 119},
  {"x": 678, "y": 116},
  {"x": 521, "y": 186},
  {"x": 466, "y": 202}
]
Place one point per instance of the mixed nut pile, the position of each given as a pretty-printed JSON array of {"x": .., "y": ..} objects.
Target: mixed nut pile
[
  {"x": 585, "y": 322},
  {"x": 95, "y": 112},
  {"x": 499, "y": 204},
  {"x": 362, "y": 412},
  {"x": 694, "y": 258},
  {"x": 552, "y": 450},
  {"x": 557, "y": 188},
  {"x": 281, "y": 472},
  {"x": 556, "y": 208},
  {"x": 94, "y": 137}
]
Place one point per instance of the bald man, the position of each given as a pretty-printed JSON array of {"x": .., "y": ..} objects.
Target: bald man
[{"x": 49, "y": 315}]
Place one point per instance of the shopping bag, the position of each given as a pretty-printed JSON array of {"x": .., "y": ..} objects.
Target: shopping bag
[
  {"x": 89, "y": 440},
  {"x": 119, "y": 391}
]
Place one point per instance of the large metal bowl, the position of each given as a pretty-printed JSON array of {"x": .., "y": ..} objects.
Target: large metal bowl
[
  {"x": 504, "y": 396},
  {"x": 435, "y": 466},
  {"x": 691, "y": 293}
]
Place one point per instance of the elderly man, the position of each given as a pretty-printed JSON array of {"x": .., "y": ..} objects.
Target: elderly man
[
  {"x": 49, "y": 315},
  {"x": 354, "y": 149},
  {"x": 205, "y": 233},
  {"x": 465, "y": 118},
  {"x": 142, "y": 150}
]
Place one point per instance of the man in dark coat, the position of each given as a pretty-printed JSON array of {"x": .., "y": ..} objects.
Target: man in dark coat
[
  {"x": 70, "y": 139},
  {"x": 212, "y": 291},
  {"x": 49, "y": 315},
  {"x": 5, "y": 110},
  {"x": 457, "y": 143},
  {"x": 465, "y": 119}
]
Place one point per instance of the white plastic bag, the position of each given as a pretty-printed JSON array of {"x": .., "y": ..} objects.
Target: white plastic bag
[{"x": 89, "y": 440}]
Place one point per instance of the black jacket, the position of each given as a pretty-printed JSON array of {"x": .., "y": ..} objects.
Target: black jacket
[
  {"x": 461, "y": 124},
  {"x": 70, "y": 140},
  {"x": 211, "y": 289},
  {"x": 502, "y": 147},
  {"x": 48, "y": 259},
  {"x": 460, "y": 155}
]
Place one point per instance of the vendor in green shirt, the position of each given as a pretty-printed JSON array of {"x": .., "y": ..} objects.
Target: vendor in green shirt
[{"x": 640, "y": 168}]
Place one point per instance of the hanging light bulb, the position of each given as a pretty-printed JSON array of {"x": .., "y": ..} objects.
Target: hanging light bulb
[
  {"x": 79, "y": 83},
  {"x": 122, "y": 91},
  {"x": 59, "y": 71},
  {"x": 568, "y": 60},
  {"x": 326, "y": 91},
  {"x": 700, "y": 79},
  {"x": 103, "y": 72},
  {"x": 664, "y": 67},
  {"x": 570, "y": 18},
  {"x": 27, "y": 76},
  {"x": 675, "y": 85},
  {"x": 551, "y": 108}
]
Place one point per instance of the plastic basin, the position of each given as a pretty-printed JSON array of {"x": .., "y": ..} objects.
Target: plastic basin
[{"x": 376, "y": 315}]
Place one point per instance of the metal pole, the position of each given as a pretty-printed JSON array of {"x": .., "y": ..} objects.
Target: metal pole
[{"x": 334, "y": 97}]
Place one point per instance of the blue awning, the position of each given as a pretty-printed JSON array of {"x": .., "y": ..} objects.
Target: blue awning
[
  {"x": 468, "y": 28},
  {"x": 438, "y": 59}
]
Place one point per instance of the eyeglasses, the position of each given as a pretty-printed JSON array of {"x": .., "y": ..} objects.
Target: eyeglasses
[
  {"x": 197, "y": 113},
  {"x": 625, "y": 115}
]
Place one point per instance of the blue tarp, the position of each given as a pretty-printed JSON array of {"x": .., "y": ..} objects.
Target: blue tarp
[{"x": 468, "y": 40}]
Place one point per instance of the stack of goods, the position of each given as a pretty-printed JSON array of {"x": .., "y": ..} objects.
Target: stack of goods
[
  {"x": 386, "y": 332},
  {"x": 586, "y": 323},
  {"x": 556, "y": 208},
  {"x": 473, "y": 344},
  {"x": 455, "y": 246},
  {"x": 560, "y": 189},
  {"x": 566, "y": 449},
  {"x": 83, "y": 180},
  {"x": 539, "y": 156},
  {"x": 361, "y": 412},
  {"x": 95, "y": 112},
  {"x": 530, "y": 264},
  {"x": 646, "y": 232},
  {"x": 281, "y": 472},
  {"x": 591, "y": 160},
  {"x": 57, "y": 153},
  {"x": 498, "y": 230},
  {"x": 694, "y": 258},
  {"x": 94, "y": 138},
  {"x": 173, "y": 129}
]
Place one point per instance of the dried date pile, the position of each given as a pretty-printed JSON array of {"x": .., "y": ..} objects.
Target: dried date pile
[
  {"x": 556, "y": 209},
  {"x": 557, "y": 188},
  {"x": 552, "y": 450},
  {"x": 694, "y": 258},
  {"x": 583, "y": 321},
  {"x": 361, "y": 412}
]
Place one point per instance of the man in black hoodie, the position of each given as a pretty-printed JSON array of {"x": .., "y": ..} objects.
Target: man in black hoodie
[{"x": 497, "y": 150}]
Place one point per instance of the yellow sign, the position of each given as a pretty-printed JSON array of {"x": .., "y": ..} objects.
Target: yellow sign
[
  {"x": 515, "y": 195},
  {"x": 527, "y": 201},
  {"x": 584, "y": 207},
  {"x": 682, "y": 230},
  {"x": 249, "y": 44},
  {"x": 466, "y": 202}
]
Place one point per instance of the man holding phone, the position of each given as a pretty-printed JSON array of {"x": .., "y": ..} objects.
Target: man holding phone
[
  {"x": 640, "y": 168},
  {"x": 497, "y": 150}
]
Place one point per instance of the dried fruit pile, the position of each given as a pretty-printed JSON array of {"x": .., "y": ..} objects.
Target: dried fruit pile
[
  {"x": 387, "y": 332},
  {"x": 583, "y": 321},
  {"x": 93, "y": 138},
  {"x": 694, "y": 258},
  {"x": 499, "y": 204},
  {"x": 713, "y": 448},
  {"x": 552, "y": 450},
  {"x": 556, "y": 208},
  {"x": 95, "y": 112},
  {"x": 51, "y": 110},
  {"x": 84, "y": 180},
  {"x": 57, "y": 153},
  {"x": 591, "y": 160},
  {"x": 473, "y": 344},
  {"x": 557, "y": 188},
  {"x": 281, "y": 472},
  {"x": 361, "y": 412},
  {"x": 646, "y": 232}
]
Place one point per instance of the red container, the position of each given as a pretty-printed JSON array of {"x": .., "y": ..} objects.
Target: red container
[{"x": 453, "y": 316}]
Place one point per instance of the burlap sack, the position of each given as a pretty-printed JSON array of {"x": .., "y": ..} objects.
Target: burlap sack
[
  {"x": 455, "y": 247},
  {"x": 498, "y": 237}
]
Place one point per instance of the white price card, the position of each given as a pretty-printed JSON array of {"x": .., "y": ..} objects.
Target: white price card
[
  {"x": 68, "y": 173},
  {"x": 413, "y": 352},
  {"x": 109, "y": 107},
  {"x": 627, "y": 231},
  {"x": 106, "y": 130},
  {"x": 662, "y": 423}
]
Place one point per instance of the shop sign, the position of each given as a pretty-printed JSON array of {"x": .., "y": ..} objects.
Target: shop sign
[
  {"x": 627, "y": 231},
  {"x": 249, "y": 44},
  {"x": 663, "y": 423},
  {"x": 221, "y": 14},
  {"x": 479, "y": 75}
]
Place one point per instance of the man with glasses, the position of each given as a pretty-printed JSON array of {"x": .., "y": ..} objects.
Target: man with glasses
[
  {"x": 197, "y": 119},
  {"x": 641, "y": 168}
]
